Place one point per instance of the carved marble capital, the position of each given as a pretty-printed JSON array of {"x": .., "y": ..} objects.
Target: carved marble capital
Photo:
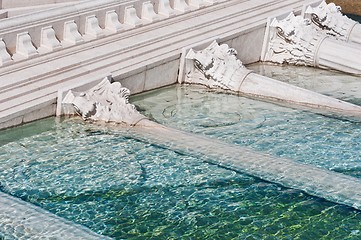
[
  {"x": 293, "y": 40},
  {"x": 328, "y": 18},
  {"x": 216, "y": 66},
  {"x": 106, "y": 101}
]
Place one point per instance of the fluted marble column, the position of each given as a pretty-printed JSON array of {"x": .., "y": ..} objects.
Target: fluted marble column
[
  {"x": 108, "y": 102},
  {"x": 343, "y": 57},
  {"x": 217, "y": 67},
  {"x": 355, "y": 35}
]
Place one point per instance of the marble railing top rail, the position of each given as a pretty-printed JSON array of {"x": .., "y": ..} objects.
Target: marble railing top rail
[
  {"x": 25, "y": 3},
  {"x": 30, "y": 35}
]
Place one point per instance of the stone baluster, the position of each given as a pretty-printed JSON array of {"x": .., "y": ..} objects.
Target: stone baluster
[
  {"x": 196, "y": 3},
  {"x": 165, "y": 9},
  {"x": 92, "y": 28},
  {"x": 24, "y": 46},
  {"x": 212, "y": 1},
  {"x": 181, "y": 5},
  {"x": 112, "y": 22},
  {"x": 48, "y": 40},
  {"x": 5, "y": 57},
  {"x": 71, "y": 33},
  {"x": 148, "y": 12},
  {"x": 131, "y": 18}
]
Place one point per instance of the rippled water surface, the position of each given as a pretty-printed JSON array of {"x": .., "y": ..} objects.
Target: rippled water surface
[
  {"x": 302, "y": 136},
  {"x": 119, "y": 185}
]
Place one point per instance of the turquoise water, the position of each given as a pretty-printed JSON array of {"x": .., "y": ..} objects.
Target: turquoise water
[
  {"x": 119, "y": 185},
  {"x": 122, "y": 187},
  {"x": 326, "y": 142}
]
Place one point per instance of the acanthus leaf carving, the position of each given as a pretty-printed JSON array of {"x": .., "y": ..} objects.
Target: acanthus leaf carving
[
  {"x": 329, "y": 18},
  {"x": 216, "y": 66},
  {"x": 293, "y": 40},
  {"x": 107, "y": 101}
]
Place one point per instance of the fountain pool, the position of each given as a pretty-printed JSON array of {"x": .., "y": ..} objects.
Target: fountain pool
[
  {"x": 117, "y": 184},
  {"x": 302, "y": 136}
]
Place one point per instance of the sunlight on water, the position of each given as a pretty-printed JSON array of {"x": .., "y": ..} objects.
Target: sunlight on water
[{"x": 119, "y": 185}]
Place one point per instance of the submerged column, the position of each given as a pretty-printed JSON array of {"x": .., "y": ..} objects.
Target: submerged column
[
  {"x": 217, "y": 67},
  {"x": 295, "y": 40},
  {"x": 107, "y": 97}
]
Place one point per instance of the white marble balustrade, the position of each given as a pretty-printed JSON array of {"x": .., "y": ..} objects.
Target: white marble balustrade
[{"x": 27, "y": 36}]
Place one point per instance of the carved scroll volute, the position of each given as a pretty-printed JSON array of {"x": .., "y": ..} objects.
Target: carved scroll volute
[
  {"x": 107, "y": 101},
  {"x": 217, "y": 66}
]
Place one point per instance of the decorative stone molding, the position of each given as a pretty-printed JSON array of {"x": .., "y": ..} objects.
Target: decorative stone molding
[
  {"x": 48, "y": 40},
  {"x": 216, "y": 66},
  {"x": 92, "y": 28},
  {"x": 71, "y": 33},
  {"x": 112, "y": 22},
  {"x": 328, "y": 18},
  {"x": 148, "y": 12},
  {"x": 131, "y": 18},
  {"x": 106, "y": 101},
  {"x": 24, "y": 45},
  {"x": 292, "y": 40},
  {"x": 5, "y": 57}
]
